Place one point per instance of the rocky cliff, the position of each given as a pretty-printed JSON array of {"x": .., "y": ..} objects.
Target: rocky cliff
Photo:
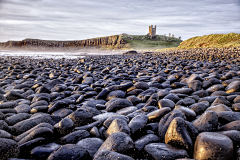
[{"x": 115, "y": 40}]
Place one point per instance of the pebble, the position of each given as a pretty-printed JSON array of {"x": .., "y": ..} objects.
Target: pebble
[{"x": 145, "y": 106}]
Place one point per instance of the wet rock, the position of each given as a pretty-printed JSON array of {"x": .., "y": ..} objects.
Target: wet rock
[
  {"x": 108, "y": 121},
  {"x": 177, "y": 135},
  {"x": 117, "y": 104},
  {"x": 158, "y": 114},
  {"x": 5, "y": 134},
  {"x": 91, "y": 145},
  {"x": 118, "y": 142},
  {"x": 234, "y": 135},
  {"x": 69, "y": 152},
  {"x": 137, "y": 123},
  {"x": 81, "y": 117},
  {"x": 116, "y": 94},
  {"x": 200, "y": 107},
  {"x": 166, "y": 103},
  {"x": 165, "y": 122},
  {"x": 233, "y": 87},
  {"x": 228, "y": 116},
  {"x": 163, "y": 151},
  {"x": 109, "y": 155},
  {"x": 74, "y": 137},
  {"x": 207, "y": 122},
  {"x": 24, "y": 108},
  {"x": 213, "y": 146},
  {"x": 13, "y": 95},
  {"x": 43, "y": 151},
  {"x": 117, "y": 125},
  {"x": 17, "y": 118},
  {"x": 8, "y": 148}
]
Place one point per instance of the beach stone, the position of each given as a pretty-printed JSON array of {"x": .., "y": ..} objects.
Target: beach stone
[
  {"x": 172, "y": 97},
  {"x": 195, "y": 85},
  {"x": 161, "y": 151},
  {"x": 235, "y": 125},
  {"x": 213, "y": 146},
  {"x": 24, "y": 108},
  {"x": 177, "y": 135},
  {"x": 158, "y": 114},
  {"x": 149, "y": 138},
  {"x": 219, "y": 108},
  {"x": 43, "y": 151},
  {"x": 117, "y": 125},
  {"x": 137, "y": 123},
  {"x": 13, "y": 95},
  {"x": 110, "y": 155},
  {"x": 200, "y": 107},
  {"x": 74, "y": 137},
  {"x": 135, "y": 100},
  {"x": 117, "y": 104},
  {"x": 45, "y": 132},
  {"x": 115, "y": 94},
  {"x": 64, "y": 126},
  {"x": 108, "y": 121},
  {"x": 190, "y": 114},
  {"x": 201, "y": 93},
  {"x": 233, "y": 87},
  {"x": 228, "y": 116},
  {"x": 234, "y": 135},
  {"x": 221, "y": 100},
  {"x": 236, "y": 107},
  {"x": 3, "y": 125},
  {"x": 69, "y": 152},
  {"x": 27, "y": 124},
  {"x": 166, "y": 103},
  {"x": 17, "y": 118},
  {"x": 81, "y": 117},
  {"x": 207, "y": 122},
  {"x": 8, "y": 148},
  {"x": 118, "y": 142},
  {"x": 165, "y": 122},
  {"x": 91, "y": 145},
  {"x": 62, "y": 112},
  {"x": 5, "y": 134}
]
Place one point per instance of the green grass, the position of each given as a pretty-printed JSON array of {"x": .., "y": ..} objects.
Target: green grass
[
  {"x": 142, "y": 42},
  {"x": 212, "y": 41}
]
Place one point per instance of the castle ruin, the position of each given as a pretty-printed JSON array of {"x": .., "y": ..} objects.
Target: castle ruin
[{"x": 152, "y": 31}]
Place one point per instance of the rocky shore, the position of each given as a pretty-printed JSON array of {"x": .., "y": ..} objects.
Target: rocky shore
[{"x": 162, "y": 106}]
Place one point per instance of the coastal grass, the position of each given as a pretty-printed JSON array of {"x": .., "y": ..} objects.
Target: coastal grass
[
  {"x": 143, "y": 42},
  {"x": 212, "y": 41}
]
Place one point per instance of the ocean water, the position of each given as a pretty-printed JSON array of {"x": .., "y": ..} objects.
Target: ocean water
[{"x": 47, "y": 54}]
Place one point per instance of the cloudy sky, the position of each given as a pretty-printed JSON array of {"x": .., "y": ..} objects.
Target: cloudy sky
[{"x": 83, "y": 19}]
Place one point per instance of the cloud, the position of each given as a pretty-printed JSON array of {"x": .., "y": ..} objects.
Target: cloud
[{"x": 79, "y": 19}]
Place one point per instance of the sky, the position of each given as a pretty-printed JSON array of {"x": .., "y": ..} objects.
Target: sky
[{"x": 84, "y": 19}]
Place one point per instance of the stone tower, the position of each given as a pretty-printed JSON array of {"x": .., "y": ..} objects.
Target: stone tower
[{"x": 152, "y": 31}]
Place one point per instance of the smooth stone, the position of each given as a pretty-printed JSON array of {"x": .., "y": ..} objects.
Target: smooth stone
[
  {"x": 165, "y": 122},
  {"x": 195, "y": 85},
  {"x": 110, "y": 155},
  {"x": 160, "y": 151},
  {"x": 199, "y": 107},
  {"x": 201, "y": 93},
  {"x": 182, "y": 91},
  {"x": 190, "y": 114},
  {"x": 236, "y": 107},
  {"x": 117, "y": 125},
  {"x": 127, "y": 110},
  {"x": 117, "y": 104},
  {"x": 228, "y": 116},
  {"x": 177, "y": 135},
  {"x": 8, "y": 104},
  {"x": 39, "y": 103},
  {"x": 64, "y": 126},
  {"x": 233, "y": 87},
  {"x": 43, "y": 151},
  {"x": 8, "y": 148},
  {"x": 116, "y": 94},
  {"x": 221, "y": 100},
  {"x": 234, "y": 135},
  {"x": 216, "y": 87},
  {"x": 135, "y": 100},
  {"x": 91, "y": 145},
  {"x": 166, "y": 103},
  {"x": 27, "y": 124},
  {"x": 81, "y": 117},
  {"x": 207, "y": 122},
  {"x": 3, "y": 125},
  {"x": 235, "y": 125},
  {"x": 108, "y": 121},
  {"x": 62, "y": 112},
  {"x": 213, "y": 146},
  {"x": 119, "y": 142},
  {"x": 69, "y": 152},
  {"x": 172, "y": 97},
  {"x": 104, "y": 116},
  {"x": 74, "y": 137},
  {"x": 137, "y": 123},
  {"x": 5, "y": 134},
  {"x": 17, "y": 118},
  {"x": 21, "y": 136},
  {"x": 13, "y": 95},
  {"x": 219, "y": 108},
  {"x": 39, "y": 132},
  {"x": 158, "y": 114},
  {"x": 24, "y": 108},
  {"x": 149, "y": 138}
]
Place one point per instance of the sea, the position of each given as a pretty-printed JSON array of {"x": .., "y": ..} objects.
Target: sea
[{"x": 53, "y": 55}]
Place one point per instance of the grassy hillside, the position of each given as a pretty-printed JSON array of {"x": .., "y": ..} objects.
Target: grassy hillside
[
  {"x": 143, "y": 42},
  {"x": 212, "y": 40}
]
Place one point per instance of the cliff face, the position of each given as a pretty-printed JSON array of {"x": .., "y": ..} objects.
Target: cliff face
[{"x": 96, "y": 42}]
